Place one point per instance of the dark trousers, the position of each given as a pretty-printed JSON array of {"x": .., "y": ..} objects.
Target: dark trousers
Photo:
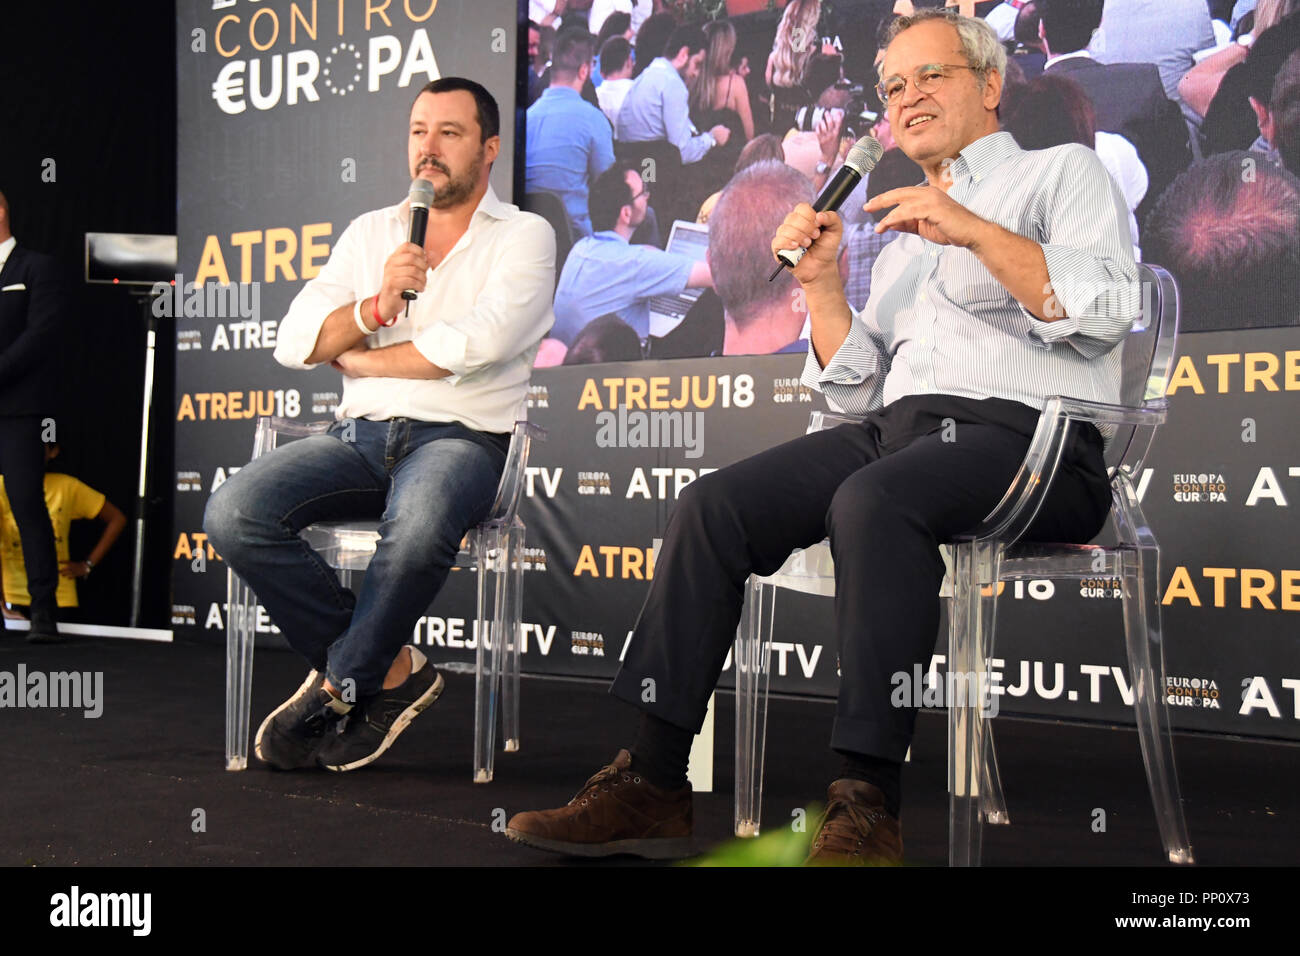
[
  {"x": 67, "y": 615},
  {"x": 887, "y": 492},
  {"x": 22, "y": 463}
]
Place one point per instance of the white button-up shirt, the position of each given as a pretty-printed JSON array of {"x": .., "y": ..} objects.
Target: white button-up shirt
[{"x": 481, "y": 316}]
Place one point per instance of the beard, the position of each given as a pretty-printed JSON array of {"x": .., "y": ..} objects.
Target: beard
[{"x": 458, "y": 188}]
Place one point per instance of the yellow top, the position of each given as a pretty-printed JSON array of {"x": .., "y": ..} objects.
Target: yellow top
[{"x": 67, "y": 499}]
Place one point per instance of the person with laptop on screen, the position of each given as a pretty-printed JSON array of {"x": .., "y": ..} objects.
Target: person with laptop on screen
[
  {"x": 1012, "y": 279},
  {"x": 606, "y": 274}
]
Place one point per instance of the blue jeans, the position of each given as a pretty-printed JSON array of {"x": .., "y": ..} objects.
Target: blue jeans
[{"x": 428, "y": 482}]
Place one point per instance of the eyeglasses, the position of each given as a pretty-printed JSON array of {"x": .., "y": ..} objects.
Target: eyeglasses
[
  {"x": 926, "y": 79},
  {"x": 644, "y": 192}
]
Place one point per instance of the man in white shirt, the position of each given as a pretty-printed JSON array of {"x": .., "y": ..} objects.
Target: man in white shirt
[
  {"x": 1002, "y": 19},
  {"x": 547, "y": 13},
  {"x": 616, "y": 67},
  {"x": 601, "y": 10},
  {"x": 429, "y": 398}
]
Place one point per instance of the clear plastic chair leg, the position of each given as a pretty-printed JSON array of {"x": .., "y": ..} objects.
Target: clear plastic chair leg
[
  {"x": 489, "y": 556},
  {"x": 993, "y": 803},
  {"x": 750, "y": 657},
  {"x": 514, "y": 583},
  {"x": 1142, "y": 632},
  {"x": 970, "y": 624},
  {"x": 241, "y": 608}
]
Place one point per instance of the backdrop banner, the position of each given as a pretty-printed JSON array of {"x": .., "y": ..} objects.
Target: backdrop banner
[{"x": 293, "y": 121}]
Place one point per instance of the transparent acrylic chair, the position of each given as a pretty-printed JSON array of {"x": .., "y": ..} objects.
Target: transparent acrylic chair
[
  {"x": 494, "y": 549},
  {"x": 987, "y": 556}
]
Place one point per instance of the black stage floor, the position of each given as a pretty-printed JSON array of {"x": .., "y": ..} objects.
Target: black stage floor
[{"x": 123, "y": 789}]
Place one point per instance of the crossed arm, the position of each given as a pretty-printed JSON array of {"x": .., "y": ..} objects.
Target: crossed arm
[
  {"x": 343, "y": 345},
  {"x": 511, "y": 310}
]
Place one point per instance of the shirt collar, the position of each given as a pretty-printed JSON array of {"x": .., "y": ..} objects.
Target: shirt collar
[
  {"x": 1067, "y": 56},
  {"x": 554, "y": 91},
  {"x": 667, "y": 64},
  {"x": 608, "y": 234},
  {"x": 6, "y": 249},
  {"x": 984, "y": 155},
  {"x": 489, "y": 205}
]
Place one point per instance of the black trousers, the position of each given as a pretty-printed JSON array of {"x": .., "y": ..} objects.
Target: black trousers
[
  {"x": 887, "y": 492},
  {"x": 22, "y": 463}
]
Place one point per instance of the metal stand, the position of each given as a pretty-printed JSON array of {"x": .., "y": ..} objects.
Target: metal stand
[{"x": 142, "y": 486}]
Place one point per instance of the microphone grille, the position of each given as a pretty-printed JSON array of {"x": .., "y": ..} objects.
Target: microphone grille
[
  {"x": 864, "y": 155},
  {"x": 421, "y": 193}
]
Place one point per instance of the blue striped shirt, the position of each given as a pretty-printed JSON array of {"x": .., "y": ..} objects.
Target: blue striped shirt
[{"x": 937, "y": 321}]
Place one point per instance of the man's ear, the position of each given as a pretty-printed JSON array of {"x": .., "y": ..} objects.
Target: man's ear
[
  {"x": 1263, "y": 118},
  {"x": 992, "y": 89},
  {"x": 492, "y": 148}
]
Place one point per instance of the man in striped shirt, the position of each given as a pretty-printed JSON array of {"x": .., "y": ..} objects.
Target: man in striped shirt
[{"x": 1012, "y": 280}]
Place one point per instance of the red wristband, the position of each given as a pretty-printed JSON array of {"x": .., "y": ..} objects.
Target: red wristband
[{"x": 374, "y": 311}]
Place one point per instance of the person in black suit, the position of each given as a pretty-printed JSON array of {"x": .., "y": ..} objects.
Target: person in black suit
[
  {"x": 1128, "y": 98},
  {"x": 31, "y": 312},
  {"x": 1029, "y": 41}
]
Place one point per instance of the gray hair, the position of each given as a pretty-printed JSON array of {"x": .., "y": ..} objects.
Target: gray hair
[
  {"x": 749, "y": 212},
  {"x": 979, "y": 43}
]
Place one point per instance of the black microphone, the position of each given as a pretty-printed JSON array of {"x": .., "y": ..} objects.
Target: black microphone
[
  {"x": 861, "y": 160},
  {"x": 421, "y": 197}
]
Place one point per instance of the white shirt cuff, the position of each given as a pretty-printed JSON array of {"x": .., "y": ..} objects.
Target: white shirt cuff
[{"x": 444, "y": 347}]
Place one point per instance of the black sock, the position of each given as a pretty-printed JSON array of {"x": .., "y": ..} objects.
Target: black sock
[
  {"x": 884, "y": 774},
  {"x": 661, "y": 752}
]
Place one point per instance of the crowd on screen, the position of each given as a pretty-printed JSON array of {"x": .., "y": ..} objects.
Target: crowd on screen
[{"x": 636, "y": 121}]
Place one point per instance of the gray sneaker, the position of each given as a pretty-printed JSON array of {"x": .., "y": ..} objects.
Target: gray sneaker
[
  {"x": 292, "y": 734},
  {"x": 375, "y": 723}
]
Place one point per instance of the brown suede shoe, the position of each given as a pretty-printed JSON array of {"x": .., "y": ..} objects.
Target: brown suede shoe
[
  {"x": 856, "y": 829},
  {"x": 617, "y": 811}
]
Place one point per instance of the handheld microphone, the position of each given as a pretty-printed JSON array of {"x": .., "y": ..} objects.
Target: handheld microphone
[
  {"x": 421, "y": 197},
  {"x": 862, "y": 158}
]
